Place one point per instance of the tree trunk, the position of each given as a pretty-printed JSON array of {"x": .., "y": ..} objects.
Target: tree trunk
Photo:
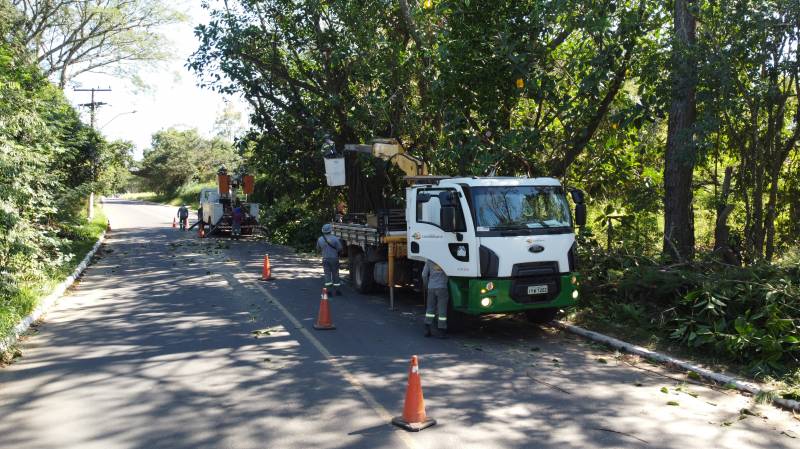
[
  {"x": 722, "y": 247},
  {"x": 680, "y": 154},
  {"x": 769, "y": 220}
]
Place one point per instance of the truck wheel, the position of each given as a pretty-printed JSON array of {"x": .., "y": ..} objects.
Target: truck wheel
[
  {"x": 541, "y": 316},
  {"x": 361, "y": 274}
]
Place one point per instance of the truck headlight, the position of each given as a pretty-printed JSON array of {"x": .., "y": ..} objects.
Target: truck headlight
[
  {"x": 575, "y": 294},
  {"x": 490, "y": 286},
  {"x": 486, "y": 302}
]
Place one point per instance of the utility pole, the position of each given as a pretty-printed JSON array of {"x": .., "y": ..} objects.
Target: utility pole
[{"x": 93, "y": 105}]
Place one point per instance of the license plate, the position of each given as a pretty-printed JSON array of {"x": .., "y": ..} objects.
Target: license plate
[{"x": 537, "y": 289}]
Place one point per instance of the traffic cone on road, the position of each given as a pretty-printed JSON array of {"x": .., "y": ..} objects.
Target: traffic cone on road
[
  {"x": 324, "y": 317},
  {"x": 414, "y": 418},
  {"x": 174, "y": 224},
  {"x": 266, "y": 271}
]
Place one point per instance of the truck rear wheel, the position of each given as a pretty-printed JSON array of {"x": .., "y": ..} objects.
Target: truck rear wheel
[
  {"x": 541, "y": 316},
  {"x": 361, "y": 274}
]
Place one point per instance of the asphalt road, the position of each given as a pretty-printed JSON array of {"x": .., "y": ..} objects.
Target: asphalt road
[{"x": 173, "y": 342}]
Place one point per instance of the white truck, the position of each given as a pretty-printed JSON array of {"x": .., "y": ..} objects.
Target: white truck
[
  {"x": 216, "y": 203},
  {"x": 507, "y": 244}
]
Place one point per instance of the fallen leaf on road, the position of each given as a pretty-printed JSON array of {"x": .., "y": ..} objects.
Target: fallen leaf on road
[
  {"x": 664, "y": 390},
  {"x": 673, "y": 403},
  {"x": 602, "y": 360},
  {"x": 789, "y": 434},
  {"x": 265, "y": 331}
]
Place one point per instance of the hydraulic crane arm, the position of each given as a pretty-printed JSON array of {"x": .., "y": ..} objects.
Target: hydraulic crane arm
[{"x": 390, "y": 150}]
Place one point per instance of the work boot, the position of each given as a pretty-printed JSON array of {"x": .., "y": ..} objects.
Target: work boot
[
  {"x": 428, "y": 330},
  {"x": 338, "y": 293},
  {"x": 441, "y": 333}
]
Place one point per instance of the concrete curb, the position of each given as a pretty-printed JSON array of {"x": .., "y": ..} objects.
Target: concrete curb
[
  {"x": 51, "y": 299},
  {"x": 722, "y": 379}
]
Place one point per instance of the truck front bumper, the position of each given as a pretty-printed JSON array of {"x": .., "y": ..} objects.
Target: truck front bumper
[{"x": 474, "y": 297}]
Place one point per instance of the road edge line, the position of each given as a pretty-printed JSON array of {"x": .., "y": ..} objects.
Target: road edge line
[
  {"x": 723, "y": 379},
  {"x": 347, "y": 375},
  {"x": 50, "y": 300}
]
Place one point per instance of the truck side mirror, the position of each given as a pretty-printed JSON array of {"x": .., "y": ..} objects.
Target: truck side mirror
[
  {"x": 447, "y": 218},
  {"x": 577, "y": 196},
  {"x": 580, "y": 214}
]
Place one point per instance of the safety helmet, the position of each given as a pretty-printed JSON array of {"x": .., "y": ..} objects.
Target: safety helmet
[{"x": 327, "y": 228}]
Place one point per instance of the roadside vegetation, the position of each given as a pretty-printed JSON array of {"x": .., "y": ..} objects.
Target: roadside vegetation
[{"x": 49, "y": 162}]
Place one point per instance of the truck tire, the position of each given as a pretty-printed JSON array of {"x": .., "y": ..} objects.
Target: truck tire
[
  {"x": 541, "y": 316},
  {"x": 361, "y": 274}
]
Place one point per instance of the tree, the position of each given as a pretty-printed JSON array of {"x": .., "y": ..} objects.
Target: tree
[
  {"x": 749, "y": 111},
  {"x": 70, "y": 37},
  {"x": 228, "y": 122},
  {"x": 681, "y": 154},
  {"x": 525, "y": 89},
  {"x": 176, "y": 158}
]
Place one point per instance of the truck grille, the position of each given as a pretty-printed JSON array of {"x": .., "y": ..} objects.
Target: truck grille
[
  {"x": 519, "y": 289},
  {"x": 529, "y": 274}
]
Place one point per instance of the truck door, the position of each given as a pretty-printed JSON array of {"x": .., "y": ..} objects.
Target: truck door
[{"x": 455, "y": 251}]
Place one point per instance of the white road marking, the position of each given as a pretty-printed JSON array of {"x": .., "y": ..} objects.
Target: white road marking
[{"x": 347, "y": 375}]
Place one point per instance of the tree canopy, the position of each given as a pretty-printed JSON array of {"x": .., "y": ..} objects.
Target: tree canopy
[
  {"x": 70, "y": 37},
  {"x": 590, "y": 92}
]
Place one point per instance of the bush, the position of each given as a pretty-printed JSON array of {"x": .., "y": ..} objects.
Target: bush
[
  {"x": 289, "y": 221},
  {"x": 748, "y": 316}
]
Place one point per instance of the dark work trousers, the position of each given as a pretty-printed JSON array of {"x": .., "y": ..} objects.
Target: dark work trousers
[
  {"x": 331, "y": 268},
  {"x": 437, "y": 304}
]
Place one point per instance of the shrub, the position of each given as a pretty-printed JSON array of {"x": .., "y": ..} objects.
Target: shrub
[{"x": 746, "y": 315}]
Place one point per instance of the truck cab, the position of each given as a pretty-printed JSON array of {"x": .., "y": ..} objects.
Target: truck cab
[{"x": 507, "y": 244}]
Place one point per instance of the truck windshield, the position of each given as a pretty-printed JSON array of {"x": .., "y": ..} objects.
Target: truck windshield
[{"x": 520, "y": 207}]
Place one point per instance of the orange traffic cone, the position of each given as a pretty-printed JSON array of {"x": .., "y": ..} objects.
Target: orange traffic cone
[
  {"x": 174, "y": 224},
  {"x": 324, "y": 317},
  {"x": 414, "y": 418},
  {"x": 266, "y": 271}
]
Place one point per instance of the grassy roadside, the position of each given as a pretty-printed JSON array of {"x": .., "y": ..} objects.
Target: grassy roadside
[
  {"x": 83, "y": 237},
  {"x": 188, "y": 195}
]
